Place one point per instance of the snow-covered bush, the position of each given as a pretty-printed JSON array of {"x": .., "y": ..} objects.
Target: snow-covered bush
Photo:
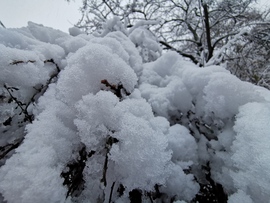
[
  {"x": 91, "y": 119},
  {"x": 146, "y": 43},
  {"x": 93, "y": 137},
  {"x": 232, "y": 115}
]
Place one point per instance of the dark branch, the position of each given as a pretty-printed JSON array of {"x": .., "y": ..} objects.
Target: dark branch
[{"x": 192, "y": 58}]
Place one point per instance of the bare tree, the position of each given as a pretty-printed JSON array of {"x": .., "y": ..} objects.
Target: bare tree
[
  {"x": 193, "y": 28},
  {"x": 203, "y": 31},
  {"x": 249, "y": 58}
]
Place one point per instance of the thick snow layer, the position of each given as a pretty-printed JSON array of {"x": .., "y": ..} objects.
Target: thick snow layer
[
  {"x": 172, "y": 84},
  {"x": 88, "y": 67},
  {"x": 17, "y": 40},
  {"x": 146, "y": 43},
  {"x": 26, "y": 66},
  {"x": 174, "y": 185},
  {"x": 183, "y": 145},
  {"x": 123, "y": 47},
  {"x": 24, "y": 74},
  {"x": 33, "y": 172},
  {"x": 252, "y": 146},
  {"x": 207, "y": 101},
  {"x": 82, "y": 108},
  {"x": 74, "y": 31},
  {"x": 145, "y": 126},
  {"x": 240, "y": 196}
]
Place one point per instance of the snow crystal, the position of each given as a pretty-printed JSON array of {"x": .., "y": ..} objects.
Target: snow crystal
[{"x": 114, "y": 45}]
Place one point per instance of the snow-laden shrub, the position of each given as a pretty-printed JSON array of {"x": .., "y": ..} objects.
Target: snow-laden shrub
[
  {"x": 102, "y": 124},
  {"x": 28, "y": 66},
  {"x": 213, "y": 104},
  {"x": 145, "y": 41},
  {"x": 94, "y": 138}
]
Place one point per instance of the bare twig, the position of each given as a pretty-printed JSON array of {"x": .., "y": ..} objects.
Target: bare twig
[
  {"x": 2, "y": 24},
  {"x": 110, "y": 199},
  {"x": 8, "y": 148},
  {"x": 110, "y": 141},
  {"x": 20, "y": 104},
  {"x": 16, "y": 62}
]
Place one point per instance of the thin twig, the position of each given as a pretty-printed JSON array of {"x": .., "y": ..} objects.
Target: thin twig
[
  {"x": 110, "y": 199},
  {"x": 20, "y": 104},
  {"x": 16, "y": 62},
  {"x": 2, "y": 24}
]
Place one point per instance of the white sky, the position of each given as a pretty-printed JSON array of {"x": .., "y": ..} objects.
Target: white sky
[
  {"x": 58, "y": 14},
  {"x": 52, "y": 13}
]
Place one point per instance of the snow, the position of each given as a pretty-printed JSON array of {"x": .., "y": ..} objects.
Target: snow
[
  {"x": 174, "y": 185},
  {"x": 139, "y": 141},
  {"x": 146, "y": 121},
  {"x": 146, "y": 43},
  {"x": 40, "y": 160},
  {"x": 183, "y": 145},
  {"x": 88, "y": 67},
  {"x": 240, "y": 196},
  {"x": 74, "y": 31},
  {"x": 178, "y": 89},
  {"x": 225, "y": 93},
  {"x": 252, "y": 146}
]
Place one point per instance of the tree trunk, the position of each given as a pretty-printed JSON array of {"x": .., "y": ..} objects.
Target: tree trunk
[{"x": 207, "y": 31}]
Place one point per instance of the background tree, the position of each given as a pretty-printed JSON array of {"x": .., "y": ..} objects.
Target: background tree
[
  {"x": 205, "y": 32},
  {"x": 249, "y": 59}
]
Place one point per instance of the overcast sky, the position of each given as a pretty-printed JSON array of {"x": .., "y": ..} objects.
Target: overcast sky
[
  {"x": 58, "y": 14},
  {"x": 52, "y": 13}
]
